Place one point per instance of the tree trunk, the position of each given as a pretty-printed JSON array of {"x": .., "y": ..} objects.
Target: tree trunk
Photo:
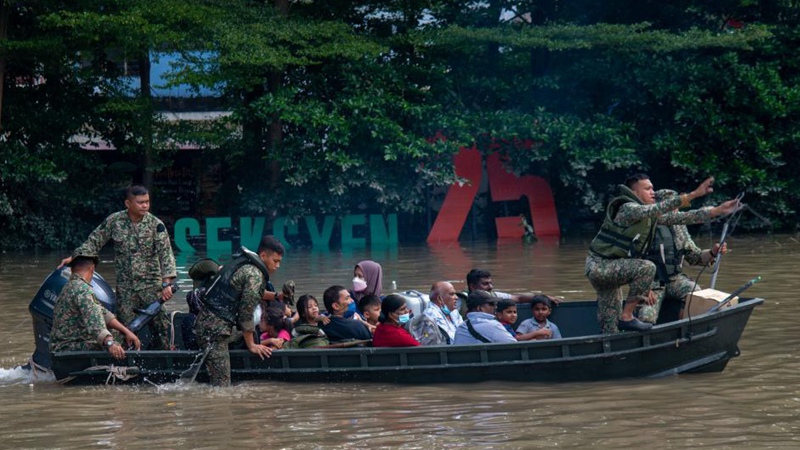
[
  {"x": 5, "y": 9},
  {"x": 147, "y": 119},
  {"x": 275, "y": 128}
]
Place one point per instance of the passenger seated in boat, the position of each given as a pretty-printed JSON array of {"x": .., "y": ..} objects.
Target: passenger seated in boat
[
  {"x": 438, "y": 322},
  {"x": 273, "y": 325},
  {"x": 390, "y": 332},
  {"x": 80, "y": 322},
  {"x": 538, "y": 326},
  {"x": 481, "y": 325},
  {"x": 367, "y": 279},
  {"x": 306, "y": 332},
  {"x": 370, "y": 308},
  {"x": 507, "y": 315},
  {"x": 337, "y": 301},
  {"x": 482, "y": 279}
]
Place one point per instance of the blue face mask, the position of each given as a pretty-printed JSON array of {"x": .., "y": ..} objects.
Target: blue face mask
[
  {"x": 351, "y": 310},
  {"x": 404, "y": 318},
  {"x": 445, "y": 309}
]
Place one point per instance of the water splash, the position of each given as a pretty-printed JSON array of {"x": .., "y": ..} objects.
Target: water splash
[{"x": 24, "y": 375}]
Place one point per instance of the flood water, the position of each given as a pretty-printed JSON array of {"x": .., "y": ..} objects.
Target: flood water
[{"x": 754, "y": 403}]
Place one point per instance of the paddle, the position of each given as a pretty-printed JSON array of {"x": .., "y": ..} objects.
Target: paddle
[
  {"x": 722, "y": 242},
  {"x": 734, "y": 294},
  {"x": 190, "y": 374}
]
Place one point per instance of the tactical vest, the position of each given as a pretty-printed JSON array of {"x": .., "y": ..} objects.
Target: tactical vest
[
  {"x": 222, "y": 299},
  {"x": 616, "y": 241},
  {"x": 669, "y": 260}
]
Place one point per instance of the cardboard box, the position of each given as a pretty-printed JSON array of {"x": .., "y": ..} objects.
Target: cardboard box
[{"x": 701, "y": 301}]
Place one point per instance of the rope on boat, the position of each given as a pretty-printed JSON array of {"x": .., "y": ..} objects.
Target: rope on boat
[
  {"x": 114, "y": 373},
  {"x": 36, "y": 368}
]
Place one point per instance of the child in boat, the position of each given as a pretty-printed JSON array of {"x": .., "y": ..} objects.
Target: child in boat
[
  {"x": 506, "y": 314},
  {"x": 370, "y": 307},
  {"x": 306, "y": 332},
  {"x": 539, "y": 327},
  {"x": 273, "y": 323}
]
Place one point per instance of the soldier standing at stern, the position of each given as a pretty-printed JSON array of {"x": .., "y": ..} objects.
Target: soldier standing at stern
[
  {"x": 144, "y": 262},
  {"x": 616, "y": 254}
]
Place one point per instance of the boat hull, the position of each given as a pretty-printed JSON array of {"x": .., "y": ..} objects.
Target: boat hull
[{"x": 703, "y": 344}]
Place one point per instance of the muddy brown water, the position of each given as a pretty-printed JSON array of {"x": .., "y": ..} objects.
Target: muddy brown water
[{"x": 754, "y": 403}]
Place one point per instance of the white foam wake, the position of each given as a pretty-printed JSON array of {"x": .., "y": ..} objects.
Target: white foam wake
[{"x": 22, "y": 375}]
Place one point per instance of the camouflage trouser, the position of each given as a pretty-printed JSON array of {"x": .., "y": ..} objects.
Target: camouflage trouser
[
  {"x": 607, "y": 277},
  {"x": 127, "y": 301},
  {"x": 218, "y": 362},
  {"x": 679, "y": 287}
]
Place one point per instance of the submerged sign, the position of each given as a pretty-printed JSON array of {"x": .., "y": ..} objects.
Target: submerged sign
[{"x": 354, "y": 229}]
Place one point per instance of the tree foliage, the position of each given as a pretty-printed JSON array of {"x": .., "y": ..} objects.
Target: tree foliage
[{"x": 335, "y": 103}]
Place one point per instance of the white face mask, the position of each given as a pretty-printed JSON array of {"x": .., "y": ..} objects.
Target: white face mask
[{"x": 359, "y": 285}]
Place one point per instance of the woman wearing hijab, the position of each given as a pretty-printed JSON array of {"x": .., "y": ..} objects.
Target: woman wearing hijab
[
  {"x": 390, "y": 332},
  {"x": 367, "y": 279}
]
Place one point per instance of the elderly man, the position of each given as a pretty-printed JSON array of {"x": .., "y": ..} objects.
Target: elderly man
[
  {"x": 438, "y": 322},
  {"x": 80, "y": 322},
  {"x": 616, "y": 254},
  {"x": 481, "y": 325},
  {"x": 144, "y": 262}
]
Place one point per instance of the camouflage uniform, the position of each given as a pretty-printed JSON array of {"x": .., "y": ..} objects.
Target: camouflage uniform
[
  {"x": 679, "y": 286},
  {"x": 607, "y": 276},
  {"x": 79, "y": 320},
  {"x": 142, "y": 257},
  {"x": 214, "y": 331}
]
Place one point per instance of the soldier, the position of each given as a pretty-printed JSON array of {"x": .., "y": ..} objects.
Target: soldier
[
  {"x": 80, "y": 321},
  {"x": 671, "y": 246},
  {"x": 144, "y": 263},
  {"x": 230, "y": 302},
  {"x": 616, "y": 252}
]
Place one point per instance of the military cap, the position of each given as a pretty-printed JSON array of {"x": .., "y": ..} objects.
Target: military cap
[
  {"x": 478, "y": 297},
  {"x": 77, "y": 257}
]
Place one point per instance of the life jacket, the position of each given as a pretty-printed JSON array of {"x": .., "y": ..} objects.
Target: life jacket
[
  {"x": 617, "y": 241},
  {"x": 665, "y": 254},
  {"x": 221, "y": 299}
]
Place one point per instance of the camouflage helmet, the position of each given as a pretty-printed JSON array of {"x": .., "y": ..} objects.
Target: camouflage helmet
[{"x": 203, "y": 270}]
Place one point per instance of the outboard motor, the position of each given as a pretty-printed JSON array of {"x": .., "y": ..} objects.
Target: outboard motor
[{"x": 41, "y": 309}]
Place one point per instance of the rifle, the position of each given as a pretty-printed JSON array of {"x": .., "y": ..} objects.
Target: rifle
[{"x": 146, "y": 315}]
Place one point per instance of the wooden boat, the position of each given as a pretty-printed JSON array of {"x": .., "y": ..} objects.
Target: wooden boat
[{"x": 701, "y": 344}]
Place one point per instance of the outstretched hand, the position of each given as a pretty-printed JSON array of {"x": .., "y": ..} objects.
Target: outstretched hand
[
  {"x": 704, "y": 188},
  {"x": 725, "y": 208}
]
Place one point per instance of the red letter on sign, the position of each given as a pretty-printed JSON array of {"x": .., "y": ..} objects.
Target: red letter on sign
[
  {"x": 505, "y": 186},
  {"x": 458, "y": 201}
]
